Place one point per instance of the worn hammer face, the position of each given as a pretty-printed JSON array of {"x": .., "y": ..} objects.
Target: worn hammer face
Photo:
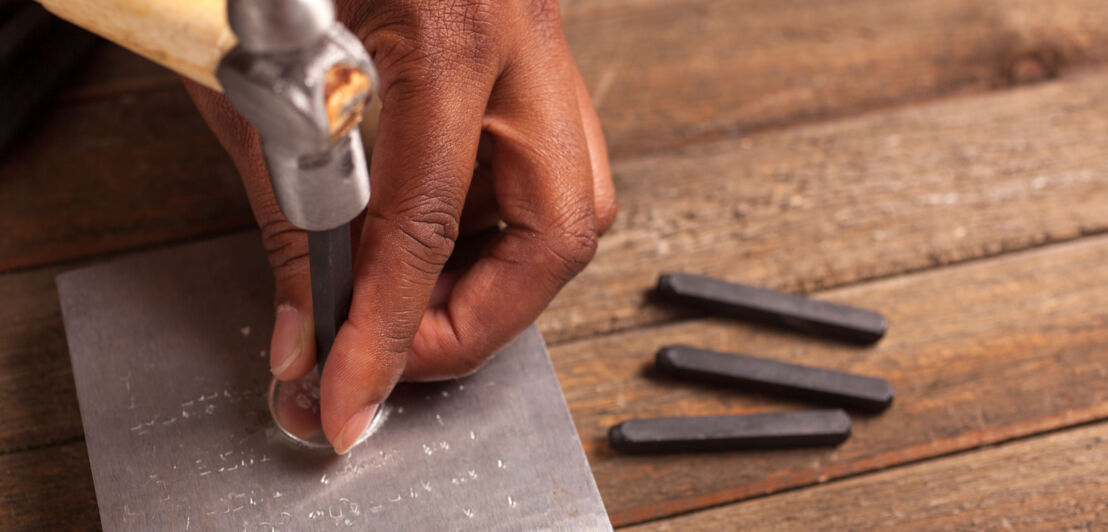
[{"x": 306, "y": 104}]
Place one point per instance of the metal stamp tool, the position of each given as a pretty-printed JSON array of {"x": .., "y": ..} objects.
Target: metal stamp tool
[
  {"x": 744, "y": 372},
  {"x": 726, "y": 433},
  {"x": 776, "y": 308}
]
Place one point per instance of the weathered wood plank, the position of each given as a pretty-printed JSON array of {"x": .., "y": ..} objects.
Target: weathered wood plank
[
  {"x": 978, "y": 353},
  {"x": 854, "y": 199},
  {"x": 48, "y": 489},
  {"x": 116, "y": 174},
  {"x": 38, "y": 402},
  {"x": 663, "y": 74},
  {"x": 752, "y": 63},
  {"x": 112, "y": 71},
  {"x": 1053, "y": 482}
]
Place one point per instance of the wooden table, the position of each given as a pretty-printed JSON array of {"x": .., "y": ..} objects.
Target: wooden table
[{"x": 944, "y": 162}]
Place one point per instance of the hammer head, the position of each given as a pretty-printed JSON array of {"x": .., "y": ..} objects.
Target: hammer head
[{"x": 303, "y": 80}]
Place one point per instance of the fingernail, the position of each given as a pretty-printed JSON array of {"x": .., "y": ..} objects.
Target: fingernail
[
  {"x": 353, "y": 429},
  {"x": 288, "y": 342}
]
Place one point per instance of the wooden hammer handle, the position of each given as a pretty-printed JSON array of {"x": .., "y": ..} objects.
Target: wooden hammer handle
[{"x": 187, "y": 36}]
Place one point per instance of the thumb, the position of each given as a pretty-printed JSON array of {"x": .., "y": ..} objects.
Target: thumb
[{"x": 292, "y": 347}]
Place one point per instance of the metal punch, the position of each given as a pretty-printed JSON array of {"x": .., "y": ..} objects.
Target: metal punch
[
  {"x": 725, "y": 433},
  {"x": 754, "y": 431},
  {"x": 745, "y": 372},
  {"x": 776, "y": 308},
  {"x": 771, "y": 430},
  {"x": 807, "y": 428}
]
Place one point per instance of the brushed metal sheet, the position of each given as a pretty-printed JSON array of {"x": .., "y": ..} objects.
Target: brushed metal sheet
[{"x": 168, "y": 356}]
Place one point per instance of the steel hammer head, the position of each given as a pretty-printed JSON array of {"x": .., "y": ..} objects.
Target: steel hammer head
[{"x": 302, "y": 79}]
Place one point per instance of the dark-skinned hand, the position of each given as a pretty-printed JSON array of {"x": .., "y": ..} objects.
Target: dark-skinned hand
[{"x": 486, "y": 129}]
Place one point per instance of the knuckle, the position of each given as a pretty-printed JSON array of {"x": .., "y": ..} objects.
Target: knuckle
[
  {"x": 391, "y": 46},
  {"x": 404, "y": 62},
  {"x": 384, "y": 355},
  {"x": 468, "y": 24},
  {"x": 416, "y": 44},
  {"x": 573, "y": 243},
  {"x": 286, "y": 248},
  {"x": 429, "y": 225}
]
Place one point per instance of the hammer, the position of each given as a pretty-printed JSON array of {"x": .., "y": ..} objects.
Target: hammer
[{"x": 301, "y": 78}]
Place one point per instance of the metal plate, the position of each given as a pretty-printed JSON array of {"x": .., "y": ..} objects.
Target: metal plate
[{"x": 168, "y": 356}]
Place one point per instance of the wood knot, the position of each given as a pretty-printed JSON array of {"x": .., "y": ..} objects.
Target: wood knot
[{"x": 1032, "y": 66}]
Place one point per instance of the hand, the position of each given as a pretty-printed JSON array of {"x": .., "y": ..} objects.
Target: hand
[{"x": 481, "y": 80}]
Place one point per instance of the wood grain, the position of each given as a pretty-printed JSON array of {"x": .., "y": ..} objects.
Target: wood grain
[
  {"x": 48, "y": 489},
  {"x": 854, "y": 199},
  {"x": 121, "y": 173},
  {"x": 978, "y": 353},
  {"x": 111, "y": 71},
  {"x": 38, "y": 402},
  {"x": 663, "y": 74},
  {"x": 1053, "y": 482}
]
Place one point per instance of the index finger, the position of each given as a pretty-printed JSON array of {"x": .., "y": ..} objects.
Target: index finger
[{"x": 420, "y": 170}]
